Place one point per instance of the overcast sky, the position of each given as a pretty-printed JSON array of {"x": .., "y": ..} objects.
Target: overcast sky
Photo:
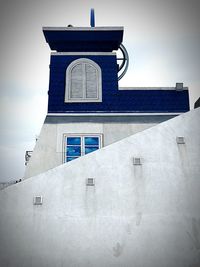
[{"x": 161, "y": 36}]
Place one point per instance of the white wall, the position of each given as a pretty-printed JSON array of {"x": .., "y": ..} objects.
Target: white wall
[
  {"x": 48, "y": 152},
  {"x": 141, "y": 216}
]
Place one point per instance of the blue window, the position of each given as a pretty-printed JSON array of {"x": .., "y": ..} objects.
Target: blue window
[
  {"x": 91, "y": 144},
  {"x": 91, "y": 140},
  {"x": 77, "y": 146},
  {"x": 73, "y": 151},
  {"x": 73, "y": 140}
]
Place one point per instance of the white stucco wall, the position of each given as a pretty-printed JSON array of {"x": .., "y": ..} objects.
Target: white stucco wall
[
  {"x": 48, "y": 152},
  {"x": 141, "y": 216}
]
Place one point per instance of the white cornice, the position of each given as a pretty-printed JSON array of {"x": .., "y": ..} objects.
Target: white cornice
[
  {"x": 151, "y": 88},
  {"x": 120, "y": 28},
  {"x": 83, "y": 54},
  {"x": 113, "y": 114}
]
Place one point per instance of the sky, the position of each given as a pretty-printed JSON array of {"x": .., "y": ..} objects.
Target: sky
[{"x": 162, "y": 38}]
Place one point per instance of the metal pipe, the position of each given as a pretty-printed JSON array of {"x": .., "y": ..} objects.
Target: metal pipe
[{"x": 92, "y": 18}]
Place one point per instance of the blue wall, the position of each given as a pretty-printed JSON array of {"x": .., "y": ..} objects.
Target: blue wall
[{"x": 113, "y": 100}]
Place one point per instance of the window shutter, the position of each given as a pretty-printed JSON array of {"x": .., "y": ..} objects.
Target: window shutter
[
  {"x": 91, "y": 82},
  {"x": 83, "y": 82},
  {"x": 77, "y": 81}
]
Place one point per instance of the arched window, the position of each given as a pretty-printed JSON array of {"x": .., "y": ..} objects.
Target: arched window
[{"x": 83, "y": 81}]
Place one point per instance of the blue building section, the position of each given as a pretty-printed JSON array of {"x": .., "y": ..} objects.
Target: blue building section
[
  {"x": 96, "y": 42},
  {"x": 113, "y": 99}
]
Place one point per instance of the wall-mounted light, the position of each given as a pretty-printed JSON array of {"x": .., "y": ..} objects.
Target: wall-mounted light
[
  {"x": 90, "y": 182},
  {"x": 137, "y": 161},
  {"x": 180, "y": 140},
  {"x": 37, "y": 200}
]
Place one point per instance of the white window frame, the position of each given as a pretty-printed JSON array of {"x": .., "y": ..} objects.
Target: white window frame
[
  {"x": 83, "y": 62},
  {"x": 100, "y": 136}
]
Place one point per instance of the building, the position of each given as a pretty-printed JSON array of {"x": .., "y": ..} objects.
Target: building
[
  {"x": 85, "y": 101},
  {"x": 133, "y": 201}
]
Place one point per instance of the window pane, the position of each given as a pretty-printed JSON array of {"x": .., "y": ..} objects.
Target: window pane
[
  {"x": 90, "y": 149},
  {"x": 73, "y": 151},
  {"x": 90, "y": 71},
  {"x": 77, "y": 72},
  {"x": 91, "y": 82},
  {"x": 70, "y": 158},
  {"x": 91, "y": 89},
  {"x": 73, "y": 140},
  {"x": 91, "y": 141},
  {"x": 76, "y": 89},
  {"x": 77, "y": 82}
]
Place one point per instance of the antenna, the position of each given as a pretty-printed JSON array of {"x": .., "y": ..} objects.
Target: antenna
[{"x": 92, "y": 18}]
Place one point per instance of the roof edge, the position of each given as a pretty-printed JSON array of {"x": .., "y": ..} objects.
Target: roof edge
[
  {"x": 115, "y": 114},
  {"x": 111, "y": 28},
  {"x": 152, "y": 88}
]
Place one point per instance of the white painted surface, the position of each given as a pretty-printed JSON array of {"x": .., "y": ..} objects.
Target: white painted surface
[
  {"x": 48, "y": 152},
  {"x": 83, "y": 53},
  {"x": 141, "y": 216},
  {"x": 110, "y": 114},
  {"x": 92, "y": 29},
  {"x": 151, "y": 88}
]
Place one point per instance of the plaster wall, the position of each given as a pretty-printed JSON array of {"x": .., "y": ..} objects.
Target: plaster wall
[
  {"x": 136, "y": 215},
  {"x": 5, "y": 184},
  {"x": 48, "y": 152}
]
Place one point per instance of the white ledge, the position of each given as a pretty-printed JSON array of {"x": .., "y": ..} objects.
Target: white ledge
[
  {"x": 151, "y": 88},
  {"x": 83, "y": 53},
  {"x": 120, "y": 28},
  {"x": 114, "y": 114}
]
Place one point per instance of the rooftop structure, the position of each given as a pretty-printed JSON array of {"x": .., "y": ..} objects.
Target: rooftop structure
[{"x": 83, "y": 90}]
